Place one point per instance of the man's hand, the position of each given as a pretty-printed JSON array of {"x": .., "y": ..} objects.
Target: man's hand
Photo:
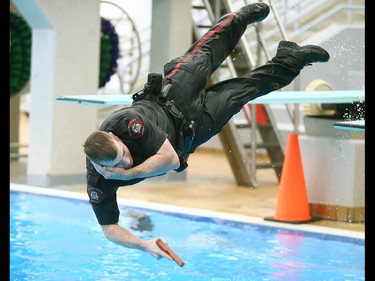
[
  {"x": 153, "y": 249},
  {"x": 165, "y": 160},
  {"x": 121, "y": 236},
  {"x": 164, "y": 246},
  {"x": 110, "y": 173}
]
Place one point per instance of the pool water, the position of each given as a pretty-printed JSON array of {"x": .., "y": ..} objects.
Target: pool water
[{"x": 55, "y": 238}]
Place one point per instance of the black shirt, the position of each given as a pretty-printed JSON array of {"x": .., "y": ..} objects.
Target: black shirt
[{"x": 143, "y": 128}]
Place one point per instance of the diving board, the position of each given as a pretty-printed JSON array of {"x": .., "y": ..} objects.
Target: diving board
[
  {"x": 310, "y": 97},
  {"x": 271, "y": 98},
  {"x": 101, "y": 100},
  {"x": 354, "y": 125}
]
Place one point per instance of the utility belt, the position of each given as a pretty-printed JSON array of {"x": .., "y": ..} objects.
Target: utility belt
[{"x": 153, "y": 88}]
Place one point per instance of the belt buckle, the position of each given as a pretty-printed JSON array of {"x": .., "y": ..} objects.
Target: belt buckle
[{"x": 173, "y": 107}]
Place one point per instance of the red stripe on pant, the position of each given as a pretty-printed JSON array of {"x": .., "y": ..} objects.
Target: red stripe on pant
[{"x": 207, "y": 36}]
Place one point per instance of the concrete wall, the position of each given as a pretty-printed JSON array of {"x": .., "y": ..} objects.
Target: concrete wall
[{"x": 64, "y": 61}]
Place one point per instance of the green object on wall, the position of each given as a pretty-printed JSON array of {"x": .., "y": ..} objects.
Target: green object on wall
[{"x": 20, "y": 53}]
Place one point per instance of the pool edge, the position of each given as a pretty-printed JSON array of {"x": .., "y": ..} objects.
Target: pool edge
[{"x": 192, "y": 211}]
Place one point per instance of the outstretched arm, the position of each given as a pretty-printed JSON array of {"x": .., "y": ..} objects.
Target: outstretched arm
[
  {"x": 165, "y": 160},
  {"x": 121, "y": 236}
]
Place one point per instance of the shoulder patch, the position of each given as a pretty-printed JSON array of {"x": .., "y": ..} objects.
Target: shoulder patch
[
  {"x": 95, "y": 194},
  {"x": 136, "y": 128}
]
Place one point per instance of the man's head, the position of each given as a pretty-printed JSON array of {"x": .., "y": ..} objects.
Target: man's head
[{"x": 106, "y": 149}]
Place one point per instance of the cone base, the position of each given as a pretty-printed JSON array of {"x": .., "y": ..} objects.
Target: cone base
[{"x": 293, "y": 222}]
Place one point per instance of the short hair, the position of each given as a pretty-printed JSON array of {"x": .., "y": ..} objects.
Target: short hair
[{"x": 100, "y": 147}]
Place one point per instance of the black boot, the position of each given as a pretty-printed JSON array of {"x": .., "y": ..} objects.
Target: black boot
[
  {"x": 295, "y": 56},
  {"x": 254, "y": 12}
]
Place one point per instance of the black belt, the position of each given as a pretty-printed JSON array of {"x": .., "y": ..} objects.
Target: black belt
[
  {"x": 172, "y": 107},
  {"x": 187, "y": 129}
]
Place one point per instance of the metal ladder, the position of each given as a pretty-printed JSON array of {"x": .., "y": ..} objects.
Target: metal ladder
[{"x": 205, "y": 14}]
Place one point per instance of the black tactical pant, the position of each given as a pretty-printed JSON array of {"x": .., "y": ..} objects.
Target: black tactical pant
[{"x": 211, "y": 108}]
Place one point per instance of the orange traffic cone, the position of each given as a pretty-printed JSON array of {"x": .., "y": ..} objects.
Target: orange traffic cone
[{"x": 292, "y": 203}]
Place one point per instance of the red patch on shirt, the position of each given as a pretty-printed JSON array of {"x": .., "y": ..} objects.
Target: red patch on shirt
[
  {"x": 136, "y": 128},
  {"x": 95, "y": 194}
]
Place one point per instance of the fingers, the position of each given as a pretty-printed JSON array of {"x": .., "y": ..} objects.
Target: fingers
[
  {"x": 160, "y": 252},
  {"x": 101, "y": 170},
  {"x": 97, "y": 167}
]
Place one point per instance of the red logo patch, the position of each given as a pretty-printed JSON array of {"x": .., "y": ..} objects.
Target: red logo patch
[
  {"x": 95, "y": 194},
  {"x": 136, "y": 128}
]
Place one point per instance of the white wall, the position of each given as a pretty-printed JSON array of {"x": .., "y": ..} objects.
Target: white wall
[{"x": 65, "y": 61}]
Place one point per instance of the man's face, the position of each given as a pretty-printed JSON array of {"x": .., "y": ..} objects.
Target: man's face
[
  {"x": 123, "y": 153},
  {"x": 123, "y": 158}
]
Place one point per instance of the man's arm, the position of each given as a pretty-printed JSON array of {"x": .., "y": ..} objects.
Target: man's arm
[
  {"x": 165, "y": 160},
  {"x": 121, "y": 236}
]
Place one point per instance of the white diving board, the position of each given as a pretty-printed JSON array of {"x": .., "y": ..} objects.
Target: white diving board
[
  {"x": 101, "y": 100},
  {"x": 354, "y": 125},
  {"x": 273, "y": 97},
  {"x": 310, "y": 97}
]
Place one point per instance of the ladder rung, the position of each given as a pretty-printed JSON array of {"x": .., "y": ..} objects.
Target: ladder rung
[
  {"x": 262, "y": 145},
  {"x": 269, "y": 165},
  {"x": 246, "y": 126},
  {"x": 17, "y": 155}
]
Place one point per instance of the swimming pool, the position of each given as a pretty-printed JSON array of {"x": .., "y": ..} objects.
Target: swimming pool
[{"x": 57, "y": 238}]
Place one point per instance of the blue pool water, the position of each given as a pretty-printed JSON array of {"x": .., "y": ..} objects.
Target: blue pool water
[{"x": 54, "y": 238}]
